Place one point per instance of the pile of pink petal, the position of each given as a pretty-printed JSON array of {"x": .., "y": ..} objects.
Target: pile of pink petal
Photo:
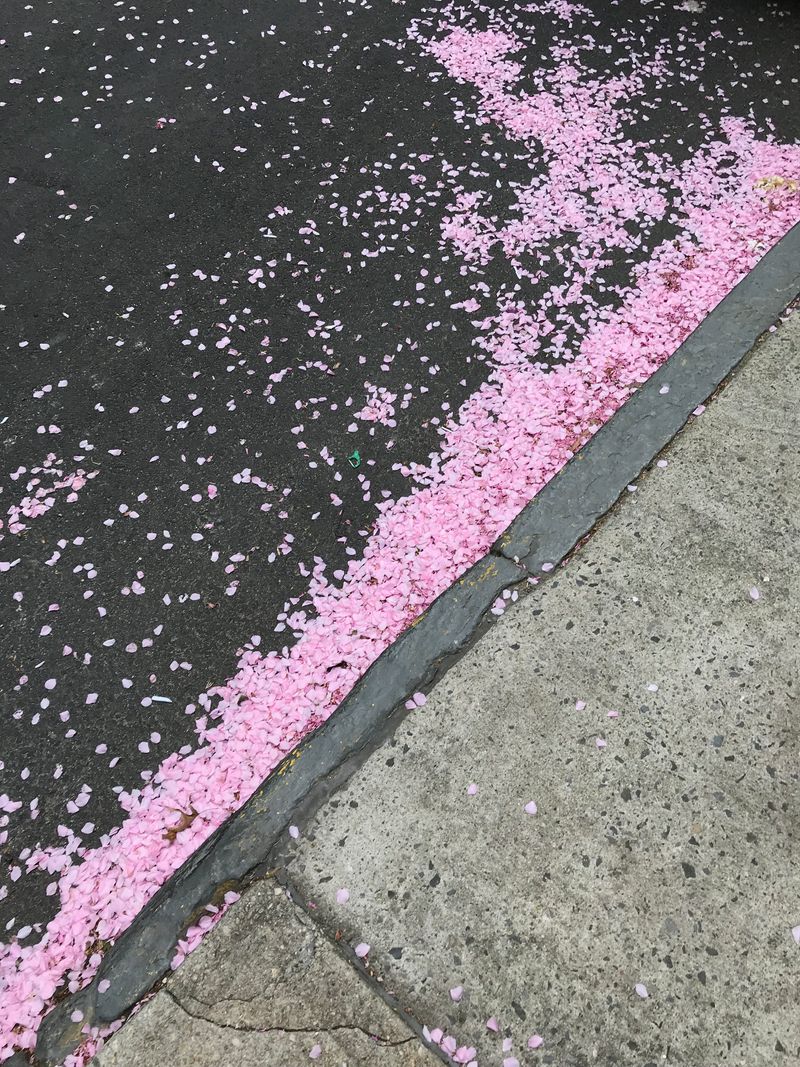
[{"x": 42, "y": 484}]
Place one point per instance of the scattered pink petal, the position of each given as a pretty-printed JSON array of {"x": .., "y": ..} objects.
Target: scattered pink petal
[
  {"x": 362, "y": 950},
  {"x": 456, "y": 993},
  {"x": 522, "y": 425},
  {"x": 641, "y": 990},
  {"x": 418, "y": 700}
]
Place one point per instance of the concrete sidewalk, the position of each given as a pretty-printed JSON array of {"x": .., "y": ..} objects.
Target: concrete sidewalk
[{"x": 644, "y": 700}]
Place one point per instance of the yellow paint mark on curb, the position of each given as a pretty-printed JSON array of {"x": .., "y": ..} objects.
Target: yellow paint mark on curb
[{"x": 289, "y": 762}]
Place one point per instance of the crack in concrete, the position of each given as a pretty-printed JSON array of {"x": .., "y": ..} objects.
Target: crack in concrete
[{"x": 383, "y": 1042}]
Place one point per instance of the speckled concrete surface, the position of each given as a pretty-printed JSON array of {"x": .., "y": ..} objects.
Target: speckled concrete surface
[
  {"x": 665, "y": 858},
  {"x": 263, "y": 990}
]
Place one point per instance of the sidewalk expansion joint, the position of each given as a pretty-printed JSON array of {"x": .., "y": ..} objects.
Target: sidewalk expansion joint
[{"x": 362, "y": 969}]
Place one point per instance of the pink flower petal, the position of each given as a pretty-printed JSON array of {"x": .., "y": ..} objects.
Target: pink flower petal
[
  {"x": 456, "y": 993},
  {"x": 531, "y": 808},
  {"x": 362, "y": 950},
  {"x": 262, "y": 714}
]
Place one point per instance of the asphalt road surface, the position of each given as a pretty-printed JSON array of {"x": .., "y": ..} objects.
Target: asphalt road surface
[{"x": 233, "y": 321}]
